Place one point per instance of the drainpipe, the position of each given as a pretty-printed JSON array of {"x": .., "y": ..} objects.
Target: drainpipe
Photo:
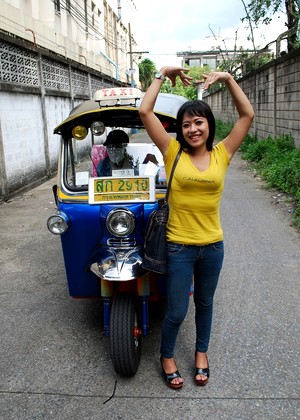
[
  {"x": 33, "y": 34},
  {"x": 113, "y": 63},
  {"x": 119, "y": 9},
  {"x": 84, "y": 57}
]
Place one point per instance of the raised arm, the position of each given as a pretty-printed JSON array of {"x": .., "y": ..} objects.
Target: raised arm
[
  {"x": 246, "y": 114},
  {"x": 152, "y": 124}
]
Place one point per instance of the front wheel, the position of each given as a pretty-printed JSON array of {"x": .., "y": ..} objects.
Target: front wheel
[{"x": 125, "y": 334}]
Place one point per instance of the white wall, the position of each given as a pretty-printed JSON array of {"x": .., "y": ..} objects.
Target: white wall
[{"x": 22, "y": 129}]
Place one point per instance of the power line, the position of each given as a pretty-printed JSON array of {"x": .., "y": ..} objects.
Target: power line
[{"x": 83, "y": 18}]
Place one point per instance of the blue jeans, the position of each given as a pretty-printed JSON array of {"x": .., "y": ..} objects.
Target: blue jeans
[{"x": 184, "y": 262}]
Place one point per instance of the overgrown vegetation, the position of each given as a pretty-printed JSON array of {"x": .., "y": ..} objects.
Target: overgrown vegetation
[{"x": 276, "y": 160}]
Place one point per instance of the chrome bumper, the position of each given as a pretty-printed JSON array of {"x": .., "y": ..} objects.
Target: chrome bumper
[{"x": 118, "y": 264}]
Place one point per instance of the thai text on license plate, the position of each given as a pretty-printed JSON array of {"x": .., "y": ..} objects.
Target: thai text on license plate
[{"x": 130, "y": 189}]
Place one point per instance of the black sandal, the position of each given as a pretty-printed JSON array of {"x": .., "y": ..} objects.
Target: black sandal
[
  {"x": 170, "y": 376},
  {"x": 201, "y": 371},
  {"x": 204, "y": 372}
]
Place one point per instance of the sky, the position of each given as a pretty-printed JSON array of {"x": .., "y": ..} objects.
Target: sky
[{"x": 166, "y": 27}]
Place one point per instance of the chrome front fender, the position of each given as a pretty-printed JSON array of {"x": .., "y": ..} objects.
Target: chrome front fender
[{"x": 118, "y": 264}]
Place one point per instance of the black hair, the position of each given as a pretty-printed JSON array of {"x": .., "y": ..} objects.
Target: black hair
[
  {"x": 116, "y": 137},
  {"x": 196, "y": 108}
]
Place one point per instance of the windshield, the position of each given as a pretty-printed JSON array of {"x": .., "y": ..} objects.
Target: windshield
[{"x": 84, "y": 159}]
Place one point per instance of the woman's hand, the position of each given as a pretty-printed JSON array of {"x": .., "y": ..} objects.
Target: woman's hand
[
  {"x": 215, "y": 77},
  {"x": 173, "y": 72}
]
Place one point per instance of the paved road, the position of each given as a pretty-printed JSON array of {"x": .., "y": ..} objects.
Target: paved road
[{"x": 55, "y": 360}]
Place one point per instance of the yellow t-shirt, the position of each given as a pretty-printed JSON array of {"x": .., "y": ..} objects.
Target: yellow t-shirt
[{"x": 194, "y": 200}]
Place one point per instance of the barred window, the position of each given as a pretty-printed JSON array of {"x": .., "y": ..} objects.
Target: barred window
[
  {"x": 57, "y": 6},
  {"x": 68, "y": 6}
]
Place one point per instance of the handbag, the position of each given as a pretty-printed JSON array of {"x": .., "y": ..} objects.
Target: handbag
[{"x": 155, "y": 244}]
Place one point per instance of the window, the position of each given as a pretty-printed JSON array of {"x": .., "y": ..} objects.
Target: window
[
  {"x": 93, "y": 7},
  {"x": 210, "y": 61},
  {"x": 68, "y": 6},
  {"x": 57, "y": 6},
  {"x": 194, "y": 62},
  {"x": 86, "y": 17}
]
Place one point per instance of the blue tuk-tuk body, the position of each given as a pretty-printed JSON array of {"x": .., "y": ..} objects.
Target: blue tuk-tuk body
[{"x": 102, "y": 219}]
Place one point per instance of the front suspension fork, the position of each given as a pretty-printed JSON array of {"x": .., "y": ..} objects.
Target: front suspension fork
[{"x": 143, "y": 292}]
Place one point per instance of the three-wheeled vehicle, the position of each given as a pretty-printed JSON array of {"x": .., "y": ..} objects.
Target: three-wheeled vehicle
[{"x": 102, "y": 217}]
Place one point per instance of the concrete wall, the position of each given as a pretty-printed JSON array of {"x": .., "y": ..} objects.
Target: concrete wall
[
  {"x": 274, "y": 92},
  {"x": 22, "y": 133},
  {"x": 37, "y": 92}
]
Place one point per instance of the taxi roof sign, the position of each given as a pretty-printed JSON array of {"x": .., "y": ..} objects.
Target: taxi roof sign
[{"x": 117, "y": 96}]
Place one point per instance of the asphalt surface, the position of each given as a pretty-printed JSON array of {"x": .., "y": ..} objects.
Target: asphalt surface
[{"x": 55, "y": 361}]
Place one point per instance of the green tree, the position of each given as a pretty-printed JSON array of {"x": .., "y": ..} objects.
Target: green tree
[
  {"x": 189, "y": 92},
  {"x": 147, "y": 70},
  {"x": 263, "y": 11}
]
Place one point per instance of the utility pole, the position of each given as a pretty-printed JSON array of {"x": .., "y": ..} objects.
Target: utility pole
[
  {"x": 131, "y": 58},
  {"x": 131, "y": 70}
]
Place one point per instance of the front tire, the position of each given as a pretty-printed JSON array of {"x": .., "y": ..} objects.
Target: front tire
[{"x": 125, "y": 334}]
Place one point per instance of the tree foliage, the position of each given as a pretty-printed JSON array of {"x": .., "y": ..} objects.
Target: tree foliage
[
  {"x": 189, "y": 92},
  {"x": 147, "y": 70},
  {"x": 263, "y": 11}
]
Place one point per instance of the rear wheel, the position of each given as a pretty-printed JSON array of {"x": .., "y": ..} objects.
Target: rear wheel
[{"x": 125, "y": 334}]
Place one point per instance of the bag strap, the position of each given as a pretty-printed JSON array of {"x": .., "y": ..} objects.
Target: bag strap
[{"x": 172, "y": 173}]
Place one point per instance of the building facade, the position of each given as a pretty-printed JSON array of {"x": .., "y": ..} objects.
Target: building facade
[
  {"x": 211, "y": 58},
  {"x": 53, "y": 55},
  {"x": 95, "y": 33}
]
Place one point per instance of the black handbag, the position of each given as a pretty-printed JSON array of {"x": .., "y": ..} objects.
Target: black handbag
[{"x": 155, "y": 245}]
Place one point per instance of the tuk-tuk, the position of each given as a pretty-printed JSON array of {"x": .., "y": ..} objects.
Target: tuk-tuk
[{"x": 102, "y": 218}]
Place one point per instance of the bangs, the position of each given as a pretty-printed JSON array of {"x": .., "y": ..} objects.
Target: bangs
[{"x": 195, "y": 108}]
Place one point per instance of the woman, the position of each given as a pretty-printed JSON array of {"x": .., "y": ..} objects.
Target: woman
[{"x": 194, "y": 233}]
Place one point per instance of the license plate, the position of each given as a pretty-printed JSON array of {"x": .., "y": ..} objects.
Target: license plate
[{"x": 116, "y": 190}]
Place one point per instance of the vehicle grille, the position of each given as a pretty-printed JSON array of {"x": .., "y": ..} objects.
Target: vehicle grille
[{"x": 121, "y": 242}]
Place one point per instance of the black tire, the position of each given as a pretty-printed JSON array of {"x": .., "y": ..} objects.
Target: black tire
[{"x": 125, "y": 334}]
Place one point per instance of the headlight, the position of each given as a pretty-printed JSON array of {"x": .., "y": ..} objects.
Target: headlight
[
  {"x": 58, "y": 223},
  {"x": 79, "y": 132},
  {"x": 97, "y": 128},
  {"x": 120, "y": 222}
]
